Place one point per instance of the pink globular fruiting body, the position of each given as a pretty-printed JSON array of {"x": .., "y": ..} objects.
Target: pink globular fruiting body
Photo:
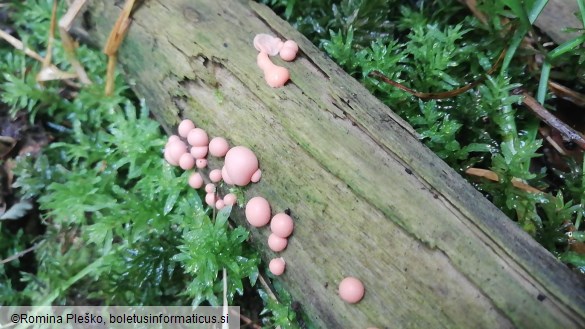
[
  {"x": 276, "y": 243},
  {"x": 289, "y": 50},
  {"x": 240, "y": 165},
  {"x": 282, "y": 225},
  {"x": 215, "y": 175},
  {"x": 210, "y": 199},
  {"x": 199, "y": 152},
  {"x": 226, "y": 177},
  {"x": 172, "y": 139},
  {"x": 258, "y": 211},
  {"x": 266, "y": 43},
  {"x": 186, "y": 161},
  {"x": 351, "y": 290},
  {"x": 169, "y": 159},
  {"x": 218, "y": 147},
  {"x": 219, "y": 204},
  {"x": 277, "y": 266},
  {"x": 230, "y": 199},
  {"x": 256, "y": 176},
  {"x": 201, "y": 163},
  {"x": 210, "y": 188},
  {"x": 195, "y": 180},
  {"x": 176, "y": 149},
  {"x": 197, "y": 137},
  {"x": 184, "y": 127},
  {"x": 275, "y": 76}
]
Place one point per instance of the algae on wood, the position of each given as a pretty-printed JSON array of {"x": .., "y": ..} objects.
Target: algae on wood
[{"x": 369, "y": 200}]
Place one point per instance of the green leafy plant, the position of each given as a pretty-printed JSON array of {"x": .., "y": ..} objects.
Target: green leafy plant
[{"x": 121, "y": 226}]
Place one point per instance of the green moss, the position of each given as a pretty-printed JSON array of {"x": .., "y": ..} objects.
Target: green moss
[{"x": 121, "y": 226}]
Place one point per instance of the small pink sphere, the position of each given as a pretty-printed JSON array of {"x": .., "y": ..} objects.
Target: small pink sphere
[
  {"x": 186, "y": 161},
  {"x": 173, "y": 139},
  {"x": 198, "y": 152},
  {"x": 219, "y": 204},
  {"x": 351, "y": 290},
  {"x": 277, "y": 266},
  {"x": 289, "y": 50},
  {"x": 197, "y": 137},
  {"x": 169, "y": 159},
  {"x": 210, "y": 188},
  {"x": 195, "y": 180},
  {"x": 218, "y": 147},
  {"x": 201, "y": 163},
  {"x": 215, "y": 175},
  {"x": 282, "y": 225},
  {"x": 230, "y": 199},
  {"x": 277, "y": 243},
  {"x": 240, "y": 164},
  {"x": 210, "y": 199},
  {"x": 184, "y": 127},
  {"x": 256, "y": 177},
  {"x": 225, "y": 176},
  {"x": 258, "y": 211},
  {"x": 176, "y": 150}
]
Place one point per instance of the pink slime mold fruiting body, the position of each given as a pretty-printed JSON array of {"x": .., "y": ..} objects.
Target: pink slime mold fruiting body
[
  {"x": 289, "y": 50},
  {"x": 351, "y": 290},
  {"x": 174, "y": 150},
  {"x": 277, "y": 243},
  {"x": 199, "y": 152},
  {"x": 218, "y": 147},
  {"x": 240, "y": 165},
  {"x": 277, "y": 266},
  {"x": 230, "y": 199},
  {"x": 275, "y": 76},
  {"x": 186, "y": 161},
  {"x": 258, "y": 211},
  {"x": 215, "y": 175},
  {"x": 197, "y": 137},
  {"x": 195, "y": 180},
  {"x": 184, "y": 127},
  {"x": 266, "y": 43}
]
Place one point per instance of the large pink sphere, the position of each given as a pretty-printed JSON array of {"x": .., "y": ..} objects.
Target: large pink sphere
[
  {"x": 258, "y": 211},
  {"x": 240, "y": 165}
]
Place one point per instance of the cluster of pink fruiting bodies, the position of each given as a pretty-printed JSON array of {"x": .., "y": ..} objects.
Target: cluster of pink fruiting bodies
[
  {"x": 189, "y": 149},
  {"x": 275, "y": 76},
  {"x": 241, "y": 165}
]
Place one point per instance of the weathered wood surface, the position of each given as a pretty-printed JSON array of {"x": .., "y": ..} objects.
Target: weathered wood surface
[
  {"x": 556, "y": 17},
  {"x": 368, "y": 198}
]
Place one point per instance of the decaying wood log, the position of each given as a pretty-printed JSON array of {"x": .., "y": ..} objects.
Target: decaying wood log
[
  {"x": 558, "y": 16},
  {"x": 369, "y": 200}
]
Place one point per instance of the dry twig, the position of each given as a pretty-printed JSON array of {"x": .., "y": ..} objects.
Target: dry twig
[
  {"x": 567, "y": 132},
  {"x": 113, "y": 43},
  {"x": 20, "y": 46},
  {"x": 567, "y": 93},
  {"x": 68, "y": 43},
  {"x": 20, "y": 254},
  {"x": 488, "y": 174}
]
